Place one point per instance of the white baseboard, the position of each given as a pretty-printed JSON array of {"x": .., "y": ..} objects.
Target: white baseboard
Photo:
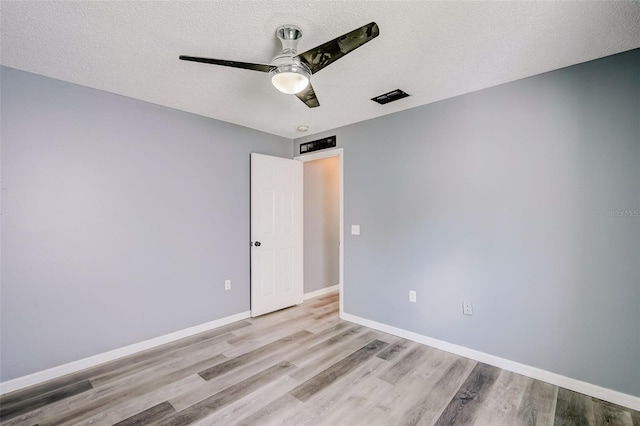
[
  {"x": 321, "y": 292},
  {"x": 75, "y": 366},
  {"x": 615, "y": 397}
]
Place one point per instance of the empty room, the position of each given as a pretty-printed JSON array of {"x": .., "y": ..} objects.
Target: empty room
[{"x": 320, "y": 212}]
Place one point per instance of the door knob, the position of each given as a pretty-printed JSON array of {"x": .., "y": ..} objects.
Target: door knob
[{"x": 258, "y": 244}]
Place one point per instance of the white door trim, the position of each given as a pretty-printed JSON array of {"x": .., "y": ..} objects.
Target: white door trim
[{"x": 336, "y": 152}]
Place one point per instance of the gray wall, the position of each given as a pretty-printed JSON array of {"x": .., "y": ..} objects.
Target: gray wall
[
  {"x": 121, "y": 220},
  {"x": 502, "y": 197},
  {"x": 321, "y": 224}
]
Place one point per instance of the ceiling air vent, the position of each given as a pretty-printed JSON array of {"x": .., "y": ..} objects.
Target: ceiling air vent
[
  {"x": 393, "y": 95},
  {"x": 325, "y": 143}
]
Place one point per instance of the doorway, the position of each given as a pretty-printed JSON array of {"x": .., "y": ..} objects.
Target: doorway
[{"x": 323, "y": 223}]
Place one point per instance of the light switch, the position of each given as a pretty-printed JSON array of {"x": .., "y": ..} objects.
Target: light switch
[{"x": 355, "y": 229}]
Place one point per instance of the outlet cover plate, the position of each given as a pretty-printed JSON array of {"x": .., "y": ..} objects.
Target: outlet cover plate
[
  {"x": 412, "y": 296},
  {"x": 467, "y": 309}
]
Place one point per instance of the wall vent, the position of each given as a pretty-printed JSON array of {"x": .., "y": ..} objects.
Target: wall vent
[
  {"x": 393, "y": 95},
  {"x": 324, "y": 143}
]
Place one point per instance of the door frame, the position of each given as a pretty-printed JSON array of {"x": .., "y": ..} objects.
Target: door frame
[{"x": 335, "y": 152}]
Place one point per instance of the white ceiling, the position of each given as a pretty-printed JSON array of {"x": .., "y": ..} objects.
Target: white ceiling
[{"x": 432, "y": 50}]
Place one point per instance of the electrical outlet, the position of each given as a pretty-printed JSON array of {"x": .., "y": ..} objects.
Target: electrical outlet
[
  {"x": 227, "y": 284},
  {"x": 412, "y": 296},
  {"x": 466, "y": 308}
]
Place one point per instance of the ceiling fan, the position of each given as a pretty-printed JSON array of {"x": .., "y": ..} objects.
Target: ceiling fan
[{"x": 291, "y": 72}]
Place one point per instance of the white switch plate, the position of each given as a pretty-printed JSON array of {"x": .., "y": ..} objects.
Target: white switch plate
[
  {"x": 227, "y": 284},
  {"x": 466, "y": 308},
  {"x": 412, "y": 296},
  {"x": 355, "y": 229}
]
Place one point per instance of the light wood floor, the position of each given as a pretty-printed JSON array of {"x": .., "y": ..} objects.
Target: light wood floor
[{"x": 302, "y": 366}]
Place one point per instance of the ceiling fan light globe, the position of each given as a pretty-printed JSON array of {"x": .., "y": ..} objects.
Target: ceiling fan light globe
[
  {"x": 290, "y": 83},
  {"x": 290, "y": 79}
]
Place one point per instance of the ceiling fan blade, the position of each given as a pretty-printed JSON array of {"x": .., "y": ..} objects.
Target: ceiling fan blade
[
  {"x": 329, "y": 52},
  {"x": 308, "y": 96},
  {"x": 234, "y": 64}
]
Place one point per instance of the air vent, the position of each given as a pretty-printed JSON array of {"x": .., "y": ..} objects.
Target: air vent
[
  {"x": 325, "y": 143},
  {"x": 393, "y": 95}
]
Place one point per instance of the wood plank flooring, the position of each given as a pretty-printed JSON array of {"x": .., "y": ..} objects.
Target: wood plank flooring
[{"x": 302, "y": 366}]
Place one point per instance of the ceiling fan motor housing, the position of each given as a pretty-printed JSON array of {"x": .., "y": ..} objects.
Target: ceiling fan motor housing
[{"x": 288, "y": 74}]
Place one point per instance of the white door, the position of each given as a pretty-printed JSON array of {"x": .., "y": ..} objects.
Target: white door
[{"x": 276, "y": 233}]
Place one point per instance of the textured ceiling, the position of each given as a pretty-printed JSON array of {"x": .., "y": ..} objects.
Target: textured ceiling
[{"x": 432, "y": 50}]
